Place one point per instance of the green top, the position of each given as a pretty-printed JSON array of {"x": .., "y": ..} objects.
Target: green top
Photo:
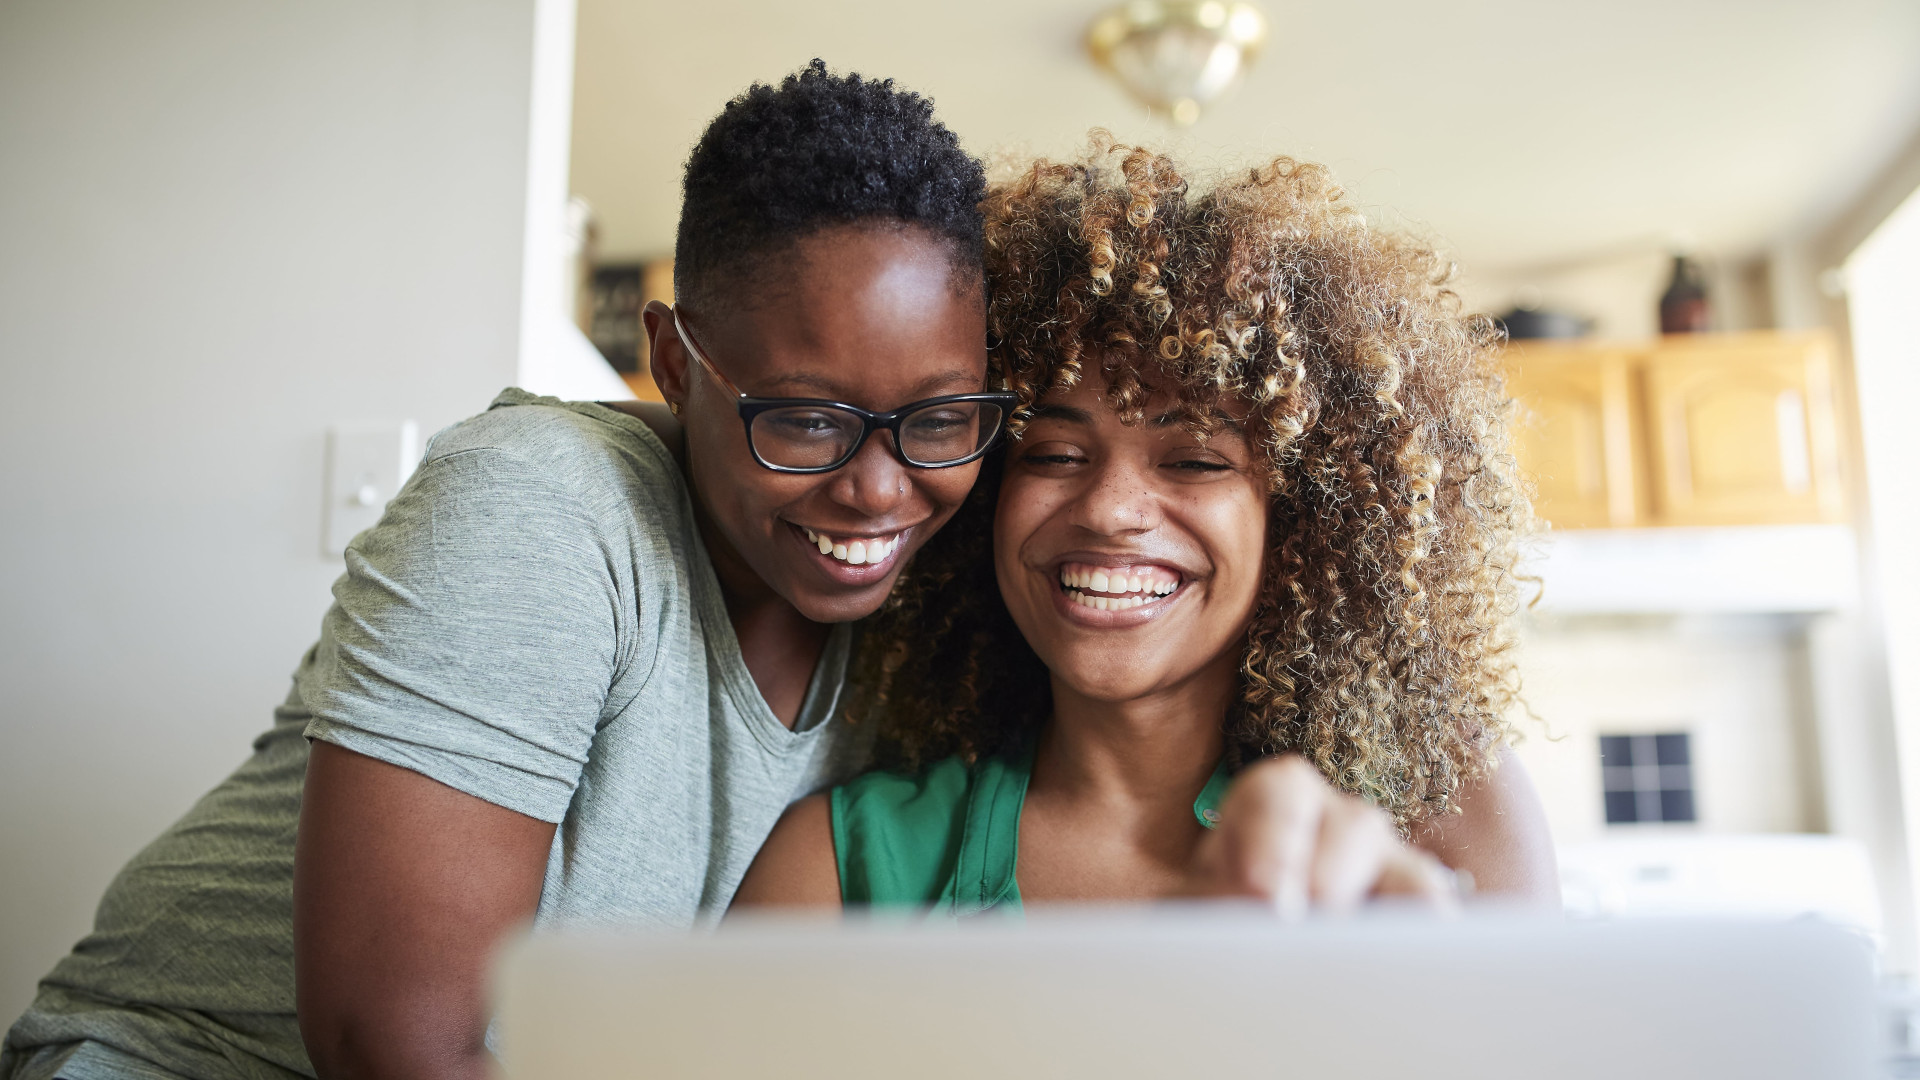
[{"x": 949, "y": 838}]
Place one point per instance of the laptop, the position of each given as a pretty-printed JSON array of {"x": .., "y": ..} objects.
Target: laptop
[{"x": 1195, "y": 992}]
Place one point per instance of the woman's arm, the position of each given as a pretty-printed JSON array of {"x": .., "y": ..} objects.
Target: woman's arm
[
  {"x": 402, "y": 887},
  {"x": 1500, "y": 837},
  {"x": 796, "y": 867}
]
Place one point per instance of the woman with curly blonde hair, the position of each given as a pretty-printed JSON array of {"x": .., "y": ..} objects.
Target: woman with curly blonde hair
[{"x": 1247, "y": 561}]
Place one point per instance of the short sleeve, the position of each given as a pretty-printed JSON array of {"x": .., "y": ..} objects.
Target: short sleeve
[{"x": 474, "y": 636}]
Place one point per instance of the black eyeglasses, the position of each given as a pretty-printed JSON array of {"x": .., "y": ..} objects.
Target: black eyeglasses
[{"x": 804, "y": 435}]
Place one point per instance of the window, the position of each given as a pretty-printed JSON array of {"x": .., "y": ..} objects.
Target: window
[{"x": 1647, "y": 778}]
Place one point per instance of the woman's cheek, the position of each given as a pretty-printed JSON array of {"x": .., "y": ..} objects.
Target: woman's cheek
[
  {"x": 1241, "y": 522},
  {"x": 1010, "y": 525}
]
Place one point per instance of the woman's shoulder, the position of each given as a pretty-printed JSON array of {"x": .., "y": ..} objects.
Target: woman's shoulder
[
  {"x": 897, "y": 835},
  {"x": 880, "y": 838},
  {"x": 918, "y": 791},
  {"x": 577, "y": 443}
]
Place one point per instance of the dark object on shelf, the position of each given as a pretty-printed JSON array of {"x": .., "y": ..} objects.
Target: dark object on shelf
[
  {"x": 1683, "y": 307},
  {"x": 1525, "y": 323},
  {"x": 615, "y": 329}
]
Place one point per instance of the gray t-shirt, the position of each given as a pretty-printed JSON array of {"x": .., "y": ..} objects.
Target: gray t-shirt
[{"x": 535, "y": 622}]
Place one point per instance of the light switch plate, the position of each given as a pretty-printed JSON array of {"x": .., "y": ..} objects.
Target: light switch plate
[{"x": 366, "y": 464}]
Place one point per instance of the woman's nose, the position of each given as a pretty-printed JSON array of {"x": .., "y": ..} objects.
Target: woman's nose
[
  {"x": 1118, "y": 499},
  {"x": 875, "y": 483}
]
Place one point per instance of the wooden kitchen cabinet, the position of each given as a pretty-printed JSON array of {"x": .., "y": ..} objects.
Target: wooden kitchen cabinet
[
  {"x": 1709, "y": 429},
  {"x": 1743, "y": 431},
  {"x": 1576, "y": 434}
]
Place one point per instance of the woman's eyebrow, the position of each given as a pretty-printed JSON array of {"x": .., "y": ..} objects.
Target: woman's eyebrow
[
  {"x": 1066, "y": 413},
  {"x": 1174, "y": 416}
]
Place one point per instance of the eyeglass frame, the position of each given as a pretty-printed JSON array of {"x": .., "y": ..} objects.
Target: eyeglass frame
[{"x": 751, "y": 407}]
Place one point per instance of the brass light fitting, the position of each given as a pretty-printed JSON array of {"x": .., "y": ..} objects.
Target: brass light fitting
[{"x": 1177, "y": 55}]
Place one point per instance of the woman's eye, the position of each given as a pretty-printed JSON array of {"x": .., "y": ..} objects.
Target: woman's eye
[
  {"x": 1204, "y": 465},
  {"x": 804, "y": 423},
  {"x": 1052, "y": 454}
]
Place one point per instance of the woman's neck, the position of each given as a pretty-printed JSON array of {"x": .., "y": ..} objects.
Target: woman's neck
[
  {"x": 1142, "y": 748},
  {"x": 1109, "y": 810}
]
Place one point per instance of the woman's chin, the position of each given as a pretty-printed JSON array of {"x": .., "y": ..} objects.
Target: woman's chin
[{"x": 1104, "y": 676}]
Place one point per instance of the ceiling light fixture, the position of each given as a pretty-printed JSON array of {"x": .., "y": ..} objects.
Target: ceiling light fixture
[{"x": 1177, "y": 55}]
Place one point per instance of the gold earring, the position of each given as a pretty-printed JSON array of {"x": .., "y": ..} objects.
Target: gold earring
[{"x": 674, "y": 407}]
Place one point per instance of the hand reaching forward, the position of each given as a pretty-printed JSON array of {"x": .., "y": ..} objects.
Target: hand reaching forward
[{"x": 1287, "y": 837}]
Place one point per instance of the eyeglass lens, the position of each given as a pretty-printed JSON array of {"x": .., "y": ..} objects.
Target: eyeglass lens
[{"x": 820, "y": 436}]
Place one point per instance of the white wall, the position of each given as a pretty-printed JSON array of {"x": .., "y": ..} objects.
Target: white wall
[
  {"x": 1883, "y": 292},
  {"x": 1738, "y": 683},
  {"x": 224, "y": 226}
]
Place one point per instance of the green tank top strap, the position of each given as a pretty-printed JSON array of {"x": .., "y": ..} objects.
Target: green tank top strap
[
  {"x": 984, "y": 877},
  {"x": 1206, "y": 807}
]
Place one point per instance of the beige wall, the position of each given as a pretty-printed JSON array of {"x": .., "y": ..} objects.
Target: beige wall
[
  {"x": 227, "y": 226},
  {"x": 1620, "y": 291}
]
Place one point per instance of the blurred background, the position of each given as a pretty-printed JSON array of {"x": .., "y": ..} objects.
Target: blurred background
[{"x": 250, "y": 254}]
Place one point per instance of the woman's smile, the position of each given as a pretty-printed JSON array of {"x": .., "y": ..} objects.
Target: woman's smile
[
  {"x": 850, "y": 558},
  {"x": 1115, "y": 593}
]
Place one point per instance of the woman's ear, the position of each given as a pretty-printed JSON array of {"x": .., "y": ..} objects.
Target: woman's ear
[{"x": 665, "y": 355}]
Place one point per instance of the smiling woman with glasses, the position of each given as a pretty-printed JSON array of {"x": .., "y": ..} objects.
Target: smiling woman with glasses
[
  {"x": 809, "y": 435},
  {"x": 590, "y": 653}
]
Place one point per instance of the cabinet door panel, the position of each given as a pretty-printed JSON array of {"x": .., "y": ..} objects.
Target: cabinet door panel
[
  {"x": 1741, "y": 433},
  {"x": 1573, "y": 435}
]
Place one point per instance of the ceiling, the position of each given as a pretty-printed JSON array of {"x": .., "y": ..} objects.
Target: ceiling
[{"x": 1516, "y": 133}]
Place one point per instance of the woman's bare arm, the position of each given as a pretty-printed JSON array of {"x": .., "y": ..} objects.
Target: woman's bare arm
[
  {"x": 1500, "y": 837},
  {"x": 402, "y": 887},
  {"x": 796, "y": 867}
]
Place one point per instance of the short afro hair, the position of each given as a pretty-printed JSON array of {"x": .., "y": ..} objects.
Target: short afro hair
[{"x": 780, "y": 163}]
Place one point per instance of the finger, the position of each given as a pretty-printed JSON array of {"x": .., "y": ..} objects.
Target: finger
[
  {"x": 1273, "y": 817},
  {"x": 1411, "y": 874},
  {"x": 1356, "y": 841}
]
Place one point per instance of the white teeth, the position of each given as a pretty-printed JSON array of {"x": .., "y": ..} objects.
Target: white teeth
[
  {"x": 1099, "y": 582},
  {"x": 854, "y": 552},
  {"x": 1107, "y": 603}
]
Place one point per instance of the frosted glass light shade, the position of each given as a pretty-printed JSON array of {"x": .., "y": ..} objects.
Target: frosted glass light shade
[{"x": 1175, "y": 55}]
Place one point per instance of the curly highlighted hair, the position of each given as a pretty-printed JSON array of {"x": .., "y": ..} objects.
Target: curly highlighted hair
[{"x": 1380, "y": 645}]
